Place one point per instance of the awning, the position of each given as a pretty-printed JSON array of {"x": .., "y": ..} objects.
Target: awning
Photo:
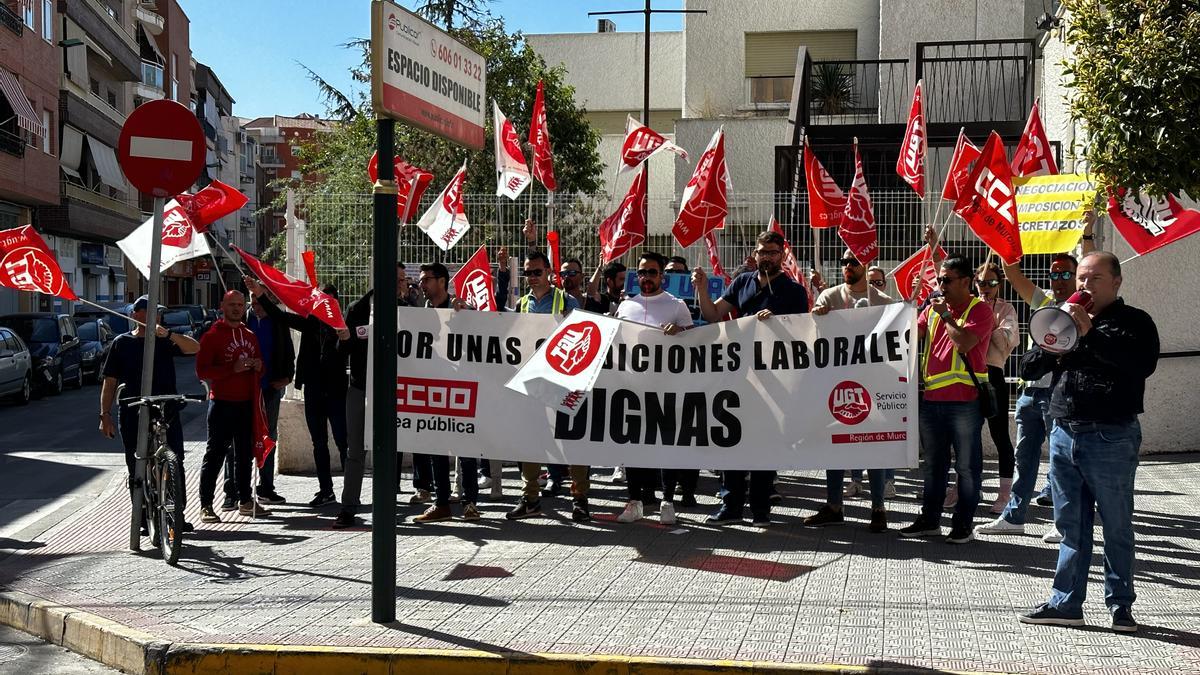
[
  {"x": 27, "y": 119},
  {"x": 71, "y": 151},
  {"x": 117, "y": 274},
  {"x": 105, "y": 159},
  {"x": 153, "y": 45},
  {"x": 97, "y": 270}
]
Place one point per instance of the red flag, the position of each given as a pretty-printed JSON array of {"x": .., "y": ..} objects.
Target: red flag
[
  {"x": 555, "y": 256},
  {"x": 626, "y": 227},
  {"x": 263, "y": 443},
  {"x": 911, "y": 163},
  {"x": 988, "y": 205},
  {"x": 1033, "y": 156},
  {"x": 965, "y": 152},
  {"x": 790, "y": 266},
  {"x": 211, "y": 204},
  {"x": 714, "y": 256},
  {"x": 473, "y": 282},
  {"x": 27, "y": 264},
  {"x": 642, "y": 143},
  {"x": 539, "y": 138},
  {"x": 310, "y": 266},
  {"x": 857, "y": 228},
  {"x": 296, "y": 295},
  {"x": 410, "y": 179},
  {"x": 918, "y": 263},
  {"x": 512, "y": 174},
  {"x": 705, "y": 197},
  {"x": 826, "y": 203},
  {"x": 1153, "y": 223}
]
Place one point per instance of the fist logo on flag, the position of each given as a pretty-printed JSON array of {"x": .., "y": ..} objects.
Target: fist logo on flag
[
  {"x": 850, "y": 402},
  {"x": 176, "y": 230},
  {"x": 574, "y": 348},
  {"x": 29, "y": 270}
]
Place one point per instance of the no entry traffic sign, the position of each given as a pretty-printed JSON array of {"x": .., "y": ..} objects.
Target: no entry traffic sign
[{"x": 162, "y": 148}]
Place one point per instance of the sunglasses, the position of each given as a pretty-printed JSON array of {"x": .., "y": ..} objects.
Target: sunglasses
[
  {"x": 878, "y": 283},
  {"x": 647, "y": 273},
  {"x": 992, "y": 283},
  {"x": 1062, "y": 276},
  {"x": 533, "y": 273},
  {"x": 768, "y": 251},
  {"x": 852, "y": 262},
  {"x": 945, "y": 281},
  {"x": 569, "y": 273}
]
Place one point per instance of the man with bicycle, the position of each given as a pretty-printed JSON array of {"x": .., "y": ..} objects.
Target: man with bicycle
[{"x": 123, "y": 368}]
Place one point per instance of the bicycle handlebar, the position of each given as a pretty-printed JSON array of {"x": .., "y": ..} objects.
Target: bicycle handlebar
[{"x": 160, "y": 400}]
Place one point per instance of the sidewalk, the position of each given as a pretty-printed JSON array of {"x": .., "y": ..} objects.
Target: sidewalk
[{"x": 790, "y": 595}]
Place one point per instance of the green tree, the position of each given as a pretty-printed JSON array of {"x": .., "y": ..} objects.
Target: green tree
[
  {"x": 470, "y": 13},
  {"x": 1135, "y": 85}
]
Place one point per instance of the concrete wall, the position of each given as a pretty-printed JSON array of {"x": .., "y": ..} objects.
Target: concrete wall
[
  {"x": 903, "y": 24},
  {"x": 749, "y": 149},
  {"x": 606, "y": 68}
]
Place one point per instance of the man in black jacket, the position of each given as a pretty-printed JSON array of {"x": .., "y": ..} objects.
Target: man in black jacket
[
  {"x": 279, "y": 359},
  {"x": 321, "y": 374},
  {"x": 1097, "y": 396}
]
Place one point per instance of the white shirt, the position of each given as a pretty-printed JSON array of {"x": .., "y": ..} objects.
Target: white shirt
[{"x": 656, "y": 310}]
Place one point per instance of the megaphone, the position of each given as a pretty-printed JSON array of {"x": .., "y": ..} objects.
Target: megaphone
[{"x": 1053, "y": 329}]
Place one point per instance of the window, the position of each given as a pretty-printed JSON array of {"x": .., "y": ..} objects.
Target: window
[
  {"x": 175, "y": 77},
  {"x": 295, "y": 151},
  {"x": 295, "y": 175},
  {"x": 27, "y": 12},
  {"x": 770, "y": 60},
  {"x": 46, "y": 126},
  {"x": 94, "y": 85},
  {"x": 112, "y": 99},
  {"x": 48, "y": 21}
]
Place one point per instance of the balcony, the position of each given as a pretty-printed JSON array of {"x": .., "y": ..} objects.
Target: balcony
[
  {"x": 126, "y": 207},
  {"x": 10, "y": 19},
  {"x": 151, "y": 20},
  {"x": 150, "y": 87},
  {"x": 270, "y": 161},
  {"x": 12, "y": 144},
  {"x": 96, "y": 21}
]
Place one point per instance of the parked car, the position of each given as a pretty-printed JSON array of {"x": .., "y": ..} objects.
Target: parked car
[
  {"x": 53, "y": 346},
  {"x": 179, "y": 321},
  {"x": 118, "y": 324},
  {"x": 200, "y": 322},
  {"x": 16, "y": 367},
  {"x": 95, "y": 337}
]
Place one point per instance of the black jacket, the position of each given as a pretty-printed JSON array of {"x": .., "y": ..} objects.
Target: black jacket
[
  {"x": 283, "y": 355},
  {"x": 1104, "y": 379},
  {"x": 358, "y": 315},
  {"x": 319, "y": 363}
]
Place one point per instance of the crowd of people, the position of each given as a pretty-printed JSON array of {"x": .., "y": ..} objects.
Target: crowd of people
[{"x": 1085, "y": 402}]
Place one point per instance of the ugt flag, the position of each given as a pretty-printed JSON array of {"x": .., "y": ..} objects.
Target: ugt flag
[
  {"x": 539, "y": 138},
  {"x": 642, "y": 143},
  {"x": 826, "y": 203},
  {"x": 563, "y": 371},
  {"x": 295, "y": 294},
  {"x": 210, "y": 204},
  {"x": 512, "y": 175},
  {"x": 1149, "y": 224},
  {"x": 411, "y": 181},
  {"x": 705, "y": 197},
  {"x": 1033, "y": 156},
  {"x": 919, "y": 263},
  {"x": 911, "y": 163},
  {"x": 965, "y": 152},
  {"x": 180, "y": 240},
  {"x": 857, "y": 228},
  {"x": 791, "y": 266},
  {"x": 988, "y": 204},
  {"x": 473, "y": 282},
  {"x": 446, "y": 220},
  {"x": 27, "y": 264},
  {"x": 625, "y": 229}
]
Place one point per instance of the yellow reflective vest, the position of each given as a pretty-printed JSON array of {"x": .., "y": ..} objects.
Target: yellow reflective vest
[{"x": 957, "y": 372}]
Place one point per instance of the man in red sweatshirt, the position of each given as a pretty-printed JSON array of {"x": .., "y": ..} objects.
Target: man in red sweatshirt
[{"x": 230, "y": 361}]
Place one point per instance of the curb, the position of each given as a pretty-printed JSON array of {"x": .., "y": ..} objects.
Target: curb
[{"x": 140, "y": 653}]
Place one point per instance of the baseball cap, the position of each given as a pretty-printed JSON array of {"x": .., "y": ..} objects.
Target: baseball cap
[{"x": 141, "y": 304}]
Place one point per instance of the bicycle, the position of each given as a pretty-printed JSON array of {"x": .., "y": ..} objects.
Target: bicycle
[{"x": 162, "y": 494}]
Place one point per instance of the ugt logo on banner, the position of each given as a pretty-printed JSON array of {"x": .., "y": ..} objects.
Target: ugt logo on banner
[
  {"x": 573, "y": 348},
  {"x": 850, "y": 402}
]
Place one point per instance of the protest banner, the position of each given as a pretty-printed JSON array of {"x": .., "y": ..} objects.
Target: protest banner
[
  {"x": 791, "y": 392},
  {"x": 1050, "y": 210}
]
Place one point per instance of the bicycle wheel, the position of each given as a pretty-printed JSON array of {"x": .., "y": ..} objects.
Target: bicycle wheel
[{"x": 170, "y": 491}]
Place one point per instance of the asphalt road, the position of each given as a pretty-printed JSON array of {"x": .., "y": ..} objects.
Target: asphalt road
[{"x": 24, "y": 654}]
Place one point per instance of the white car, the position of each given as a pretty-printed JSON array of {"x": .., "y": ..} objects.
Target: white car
[{"x": 16, "y": 372}]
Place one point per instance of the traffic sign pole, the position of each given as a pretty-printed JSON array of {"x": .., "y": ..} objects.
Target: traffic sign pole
[{"x": 150, "y": 334}]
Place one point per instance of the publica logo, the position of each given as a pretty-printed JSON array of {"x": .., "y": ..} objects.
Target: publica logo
[
  {"x": 850, "y": 402},
  {"x": 574, "y": 348},
  {"x": 411, "y": 33}
]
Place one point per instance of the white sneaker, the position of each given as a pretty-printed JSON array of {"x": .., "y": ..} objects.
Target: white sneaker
[
  {"x": 1000, "y": 526},
  {"x": 618, "y": 475},
  {"x": 889, "y": 489},
  {"x": 853, "y": 489},
  {"x": 666, "y": 513},
  {"x": 420, "y": 497},
  {"x": 485, "y": 482},
  {"x": 632, "y": 512},
  {"x": 1053, "y": 536}
]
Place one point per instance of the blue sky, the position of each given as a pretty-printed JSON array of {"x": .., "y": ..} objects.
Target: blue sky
[{"x": 253, "y": 45}]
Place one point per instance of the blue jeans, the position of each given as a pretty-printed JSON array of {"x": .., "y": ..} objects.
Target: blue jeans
[
  {"x": 1033, "y": 426},
  {"x": 835, "y": 478},
  {"x": 228, "y": 422},
  {"x": 468, "y": 471},
  {"x": 946, "y": 425},
  {"x": 1093, "y": 468}
]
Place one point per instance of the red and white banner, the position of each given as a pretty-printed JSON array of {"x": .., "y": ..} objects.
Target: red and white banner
[
  {"x": 180, "y": 240},
  {"x": 27, "y": 264},
  {"x": 1149, "y": 224},
  {"x": 410, "y": 180},
  {"x": 705, "y": 197},
  {"x": 791, "y": 266},
  {"x": 473, "y": 282},
  {"x": 295, "y": 294},
  {"x": 988, "y": 203},
  {"x": 263, "y": 444},
  {"x": 826, "y": 203},
  {"x": 212, "y": 203},
  {"x": 446, "y": 219},
  {"x": 857, "y": 228},
  {"x": 310, "y": 266},
  {"x": 714, "y": 256},
  {"x": 918, "y": 263},
  {"x": 539, "y": 138},
  {"x": 564, "y": 369},
  {"x": 512, "y": 174},
  {"x": 625, "y": 229},
  {"x": 1034, "y": 156},
  {"x": 642, "y": 143},
  {"x": 965, "y": 153},
  {"x": 911, "y": 163}
]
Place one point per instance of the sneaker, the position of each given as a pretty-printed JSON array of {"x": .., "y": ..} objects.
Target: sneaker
[
  {"x": 543, "y": 479},
  {"x": 921, "y": 529},
  {"x": 1053, "y": 536},
  {"x": 456, "y": 498},
  {"x": 207, "y": 515},
  {"x": 618, "y": 475},
  {"x": 323, "y": 499},
  {"x": 250, "y": 509},
  {"x": 485, "y": 482},
  {"x": 551, "y": 488},
  {"x": 579, "y": 510},
  {"x": 420, "y": 497},
  {"x": 1045, "y": 615},
  {"x": 666, "y": 513},
  {"x": 889, "y": 489},
  {"x": 960, "y": 535},
  {"x": 230, "y": 504},
  {"x": 853, "y": 489},
  {"x": 434, "y": 514},
  {"x": 270, "y": 497},
  {"x": 525, "y": 509},
  {"x": 878, "y": 521},
  {"x": 188, "y": 527},
  {"x": 826, "y": 515},
  {"x": 688, "y": 502},
  {"x": 1123, "y": 621},
  {"x": 1000, "y": 526},
  {"x": 633, "y": 511},
  {"x": 725, "y": 515},
  {"x": 1044, "y": 499},
  {"x": 344, "y": 520},
  {"x": 470, "y": 512},
  {"x": 761, "y": 520}
]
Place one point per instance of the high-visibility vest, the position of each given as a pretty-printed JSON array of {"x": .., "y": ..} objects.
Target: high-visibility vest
[
  {"x": 557, "y": 306},
  {"x": 957, "y": 372}
]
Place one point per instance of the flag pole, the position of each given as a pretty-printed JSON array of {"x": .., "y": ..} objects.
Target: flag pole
[{"x": 110, "y": 311}]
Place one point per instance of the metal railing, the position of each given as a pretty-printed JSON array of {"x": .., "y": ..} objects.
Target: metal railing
[
  {"x": 977, "y": 80},
  {"x": 868, "y": 91},
  {"x": 10, "y": 19},
  {"x": 12, "y": 143}
]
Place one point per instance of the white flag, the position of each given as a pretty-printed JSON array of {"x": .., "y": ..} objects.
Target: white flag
[
  {"x": 642, "y": 143},
  {"x": 512, "y": 174},
  {"x": 446, "y": 221},
  {"x": 563, "y": 371},
  {"x": 180, "y": 241}
]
